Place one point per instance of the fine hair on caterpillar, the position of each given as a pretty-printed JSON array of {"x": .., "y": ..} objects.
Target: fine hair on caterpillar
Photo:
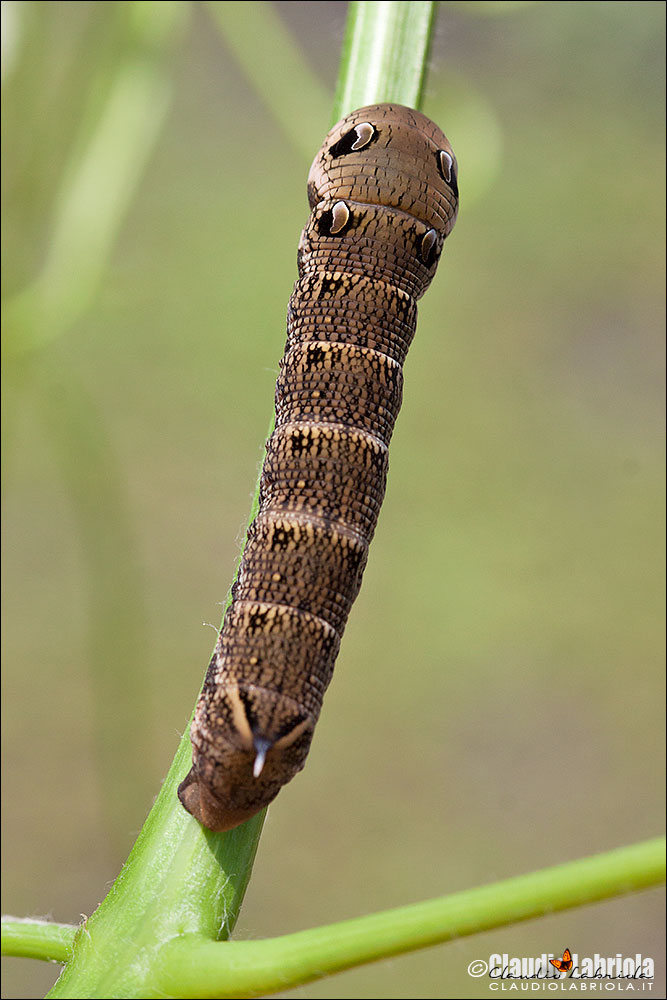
[{"x": 383, "y": 192}]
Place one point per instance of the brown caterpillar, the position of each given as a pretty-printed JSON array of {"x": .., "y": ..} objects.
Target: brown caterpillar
[{"x": 383, "y": 193}]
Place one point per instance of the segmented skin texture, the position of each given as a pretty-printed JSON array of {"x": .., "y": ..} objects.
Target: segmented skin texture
[{"x": 384, "y": 196}]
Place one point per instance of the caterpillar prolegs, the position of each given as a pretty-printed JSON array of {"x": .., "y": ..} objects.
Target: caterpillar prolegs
[{"x": 384, "y": 196}]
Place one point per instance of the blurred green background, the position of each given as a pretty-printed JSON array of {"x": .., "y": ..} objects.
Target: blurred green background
[{"x": 497, "y": 704}]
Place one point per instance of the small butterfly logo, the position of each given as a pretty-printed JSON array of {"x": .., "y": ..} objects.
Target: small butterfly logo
[{"x": 563, "y": 964}]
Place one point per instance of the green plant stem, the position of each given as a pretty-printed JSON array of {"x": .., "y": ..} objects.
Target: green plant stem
[
  {"x": 196, "y": 968},
  {"x": 384, "y": 55},
  {"x": 191, "y": 966},
  {"x": 179, "y": 879},
  {"x": 37, "y": 939}
]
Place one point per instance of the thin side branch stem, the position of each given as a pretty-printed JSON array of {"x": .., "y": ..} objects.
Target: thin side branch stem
[
  {"x": 196, "y": 968},
  {"x": 37, "y": 939}
]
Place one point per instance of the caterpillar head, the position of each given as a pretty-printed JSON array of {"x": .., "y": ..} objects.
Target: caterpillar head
[{"x": 250, "y": 743}]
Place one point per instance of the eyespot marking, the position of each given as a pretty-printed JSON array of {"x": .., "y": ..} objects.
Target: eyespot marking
[
  {"x": 335, "y": 220},
  {"x": 427, "y": 249},
  {"x": 365, "y": 133},
  {"x": 447, "y": 169},
  {"x": 359, "y": 137}
]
